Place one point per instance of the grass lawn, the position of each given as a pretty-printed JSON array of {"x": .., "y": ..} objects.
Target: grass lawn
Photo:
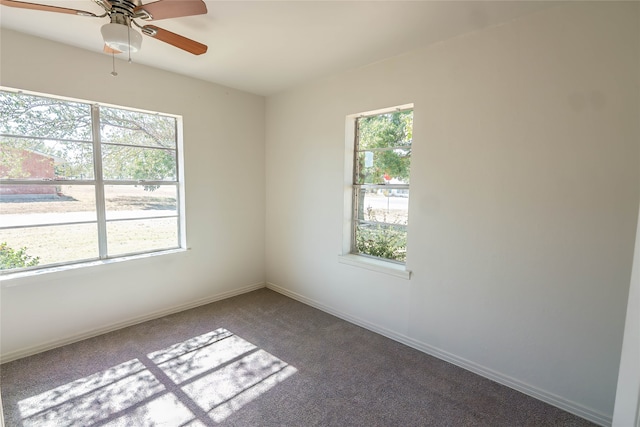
[{"x": 64, "y": 243}]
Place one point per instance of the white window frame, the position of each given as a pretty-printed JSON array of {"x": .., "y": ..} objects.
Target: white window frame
[
  {"x": 346, "y": 255},
  {"x": 99, "y": 182}
]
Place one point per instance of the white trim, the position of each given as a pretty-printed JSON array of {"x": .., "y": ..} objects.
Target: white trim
[
  {"x": 83, "y": 101},
  {"x": 66, "y": 270},
  {"x": 592, "y": 415},
  {"x": 626, "y": 411},
  {"x": 1, "y": 413},
  {"x": 379, "y": 265},
  {"x": 379, "y": 111},
  {"x": 29, "y": 351},
  {"x": 349, "y": 152}
]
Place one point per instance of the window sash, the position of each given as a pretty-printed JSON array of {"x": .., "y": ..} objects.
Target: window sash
[
  {"x": 383, "y": 186},
  {"x": 357, "y": 189}
]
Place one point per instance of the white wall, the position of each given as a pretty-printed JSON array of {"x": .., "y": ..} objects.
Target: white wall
[
  {"x": 524, "y": 199},
  {"x": 224, "y": 168}
]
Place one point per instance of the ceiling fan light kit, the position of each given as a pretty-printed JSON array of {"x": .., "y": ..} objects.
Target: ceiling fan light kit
[
  {"x": 119, "y": 35},
  {"x": 121, "y": 38}
]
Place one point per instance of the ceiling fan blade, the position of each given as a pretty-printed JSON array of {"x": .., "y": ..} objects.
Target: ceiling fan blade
[
  {"x": 44, "y": 7},
  {"x": 174, "y": 39},
  {"x": 105, "y": 4},
  {"x": 172, "y": 9},
  {"x": 109, "y": 50}
]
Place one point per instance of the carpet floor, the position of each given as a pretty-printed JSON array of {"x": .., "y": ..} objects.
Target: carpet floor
[{"x": 258, "y": 359}]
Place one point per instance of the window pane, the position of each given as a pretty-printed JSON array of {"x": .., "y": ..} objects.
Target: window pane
[
  {"x": 23, "y": 205},
  {"x": 385, "y": 130},
  {"x": 125, "y": 237},
  {"x": 135, "y": 128},
  {"x": 384, "y": 241},
  {"x": 138, "y": 201},
  {"x": 28, "y": 115},
  {"x": 133, "y": 163},
  {"x": 41, "y": 246},
  {"x": 389, "y": 206},
  {"x": 383, "y": 167},
  {"x": 39, "y": 159}
]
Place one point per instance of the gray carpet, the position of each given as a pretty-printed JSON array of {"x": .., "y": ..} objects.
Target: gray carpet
[{"x": 259, "y": 359}]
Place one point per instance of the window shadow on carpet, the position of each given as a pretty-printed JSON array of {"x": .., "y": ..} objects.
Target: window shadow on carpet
[{"x": 193, "y": 383}]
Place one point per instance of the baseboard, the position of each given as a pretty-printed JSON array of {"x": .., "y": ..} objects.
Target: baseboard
[
  {"x": 550, "y": 398},
  {"x": 1, "y": 413},
  {"x": 50, "y": 345}
]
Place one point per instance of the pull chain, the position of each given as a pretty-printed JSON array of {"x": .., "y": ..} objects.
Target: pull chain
[
  {"x": 113, "y": 61},
  {"x": 129, "y": 41}
]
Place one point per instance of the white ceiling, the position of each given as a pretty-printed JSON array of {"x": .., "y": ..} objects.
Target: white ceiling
[{"x": 265, "y": 47}]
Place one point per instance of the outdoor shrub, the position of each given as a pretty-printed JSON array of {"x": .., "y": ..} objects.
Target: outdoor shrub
[
  {"x": 384, "y": 242},
  {"x": 11, "y": 258}
]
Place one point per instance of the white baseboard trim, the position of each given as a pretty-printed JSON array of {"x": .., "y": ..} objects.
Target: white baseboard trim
[
  {"x": 1, "y": 413},
  {"x": 50, "y": 345},
  {"x": 545, "y": 396}
]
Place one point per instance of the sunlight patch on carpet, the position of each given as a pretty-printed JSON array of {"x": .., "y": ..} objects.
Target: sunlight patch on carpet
[
  {"x": 166, "y": 410},
  {"x": 223, "y": 392},
  {"x": 191, "y": 383},
  {"x": 200, "y": 360}
]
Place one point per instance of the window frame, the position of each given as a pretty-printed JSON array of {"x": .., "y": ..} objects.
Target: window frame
[
  {"x": 349, "y": 254},
  {"x": 99, "y": 183}
]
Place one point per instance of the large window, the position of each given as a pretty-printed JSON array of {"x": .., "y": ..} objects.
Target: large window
[
  {"x": 382, "y": 160},
  {"x": 81, "y": 181}
]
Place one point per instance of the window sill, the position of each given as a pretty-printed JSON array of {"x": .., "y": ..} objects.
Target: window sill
[
  {"x": 377, "y": 265},
  {"x": 23, "y": 277}
]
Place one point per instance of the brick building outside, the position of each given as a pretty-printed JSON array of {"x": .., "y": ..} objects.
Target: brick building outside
[{"x": 19, "y": 163}]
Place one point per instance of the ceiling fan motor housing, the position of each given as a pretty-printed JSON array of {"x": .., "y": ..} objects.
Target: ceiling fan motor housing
[{"x": 124, "y": 7}]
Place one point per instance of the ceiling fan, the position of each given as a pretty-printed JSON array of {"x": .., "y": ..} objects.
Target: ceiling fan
[{"x": 119, "y": 35}]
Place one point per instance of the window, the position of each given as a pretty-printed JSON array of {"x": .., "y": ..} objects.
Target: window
[
  {"x": 380, "y": 189},
  {"x": 81, "y": 181}
]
